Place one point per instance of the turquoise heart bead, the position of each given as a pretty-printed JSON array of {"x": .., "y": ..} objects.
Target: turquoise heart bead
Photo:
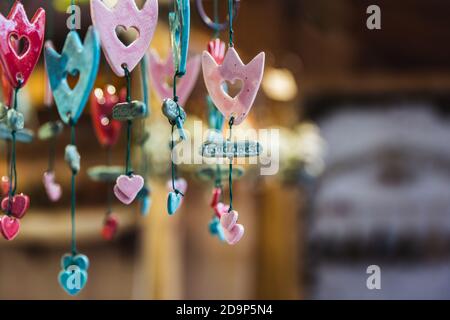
[
  {"x": 75, "y": 58},
  {"x": 216, "y": 229},
  {"x": 73, "y": 279},
  {"x": 79, "y": 260},
  {"x": 173, "y": 202},
  {"x": 72, "y": 158}
]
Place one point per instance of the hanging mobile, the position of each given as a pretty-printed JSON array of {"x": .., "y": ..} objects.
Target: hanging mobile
[
  {"x": 50, "y": 131},
  {"x": 179, "y": 21},
  {"x": 123, "y": 59},
  {"x": 18, "y": 64},
  {"x": 235, "y": 109},
  {"x": 80, "y": 59},
  {"x": 107, "y": 131}
]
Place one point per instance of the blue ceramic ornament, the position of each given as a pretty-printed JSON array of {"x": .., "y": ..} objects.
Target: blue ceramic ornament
[
  {"x": 180, "y": 22},
  {"x": 73, "y": 276},
  {"x": 75, "y": 59},
  {"x": 174, "y": 202}
]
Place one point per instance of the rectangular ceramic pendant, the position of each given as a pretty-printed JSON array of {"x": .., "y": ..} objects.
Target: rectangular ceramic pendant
[{"x": 229, "y": 149}]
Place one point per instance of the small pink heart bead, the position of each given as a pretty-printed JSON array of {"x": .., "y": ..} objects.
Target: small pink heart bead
[
  {"x": 53, "y": 189},
  {"x": 9, "y": 227},
  {"x": 229, "y": 219},
  {"x": 180, "y": 184},
  {"x": 233, "y": 69},
  {"x": 234, "y": 235},
  {"x": 127, "y": 188},
  {"x": 126, "y": 14},
  {"x": 161, "y": 70},
  {"x": 220, "y": 209}
]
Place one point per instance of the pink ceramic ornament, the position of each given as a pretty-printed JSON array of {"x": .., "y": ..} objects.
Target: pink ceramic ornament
[
  {"x": 53, "y": 189},
  {"x": 127, "y": 15},
  {"x": 17, "y": 28},
  {"x": 233, "y": 69},
  {"x": 160, "y": 71},
  {"x": 18, "y": 205},
  {"x": 233, "y": 232},
  {"x": 127, "y": 188},
  {"x": 9, "y": 227},
  {"x": 180, "y": 184}
]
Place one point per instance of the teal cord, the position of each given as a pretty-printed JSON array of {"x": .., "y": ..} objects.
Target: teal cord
[
  {"x": 73, "y": 193},
  {"x": 230, "y": 16},
  {"x": 230, "y": 173},
  {"x": 216, "y": 18},
  {"x": 109, "y": 186},
  {"x": 128, "y": 170},
  {"x": 12, "y": 164}
]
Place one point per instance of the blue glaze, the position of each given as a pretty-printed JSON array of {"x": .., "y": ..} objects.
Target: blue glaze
[
  {"x": 79, "y": 260},
  {"x": 73, "y": 279},
  {"x": 180, "y": 23},
  {"x": 173, "y": 202},
  {"x": 75, "y": 58},
  {"x": 216, "y": 229}
]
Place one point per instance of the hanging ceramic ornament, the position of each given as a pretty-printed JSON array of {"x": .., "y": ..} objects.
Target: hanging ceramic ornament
[
  {"x": 107, "y": 131},
  {"x": 217, "y": 73},
  {"x": 123, "y": 59},
  {"x": 179, "y": 21},
  {"x": 160, "y": 71},
  {"x": 18, "y": 64},
  {"x": 80, "y": 59},
  {"x": 50, "y": 131}
]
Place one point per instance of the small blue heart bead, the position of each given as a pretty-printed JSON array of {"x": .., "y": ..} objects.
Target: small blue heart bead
[
  {"x": 173, "y": 202},
  {"x": 73, "y": 279},
  {"x": 72, "y": 158},
  {"x": 79, "y": 260}
]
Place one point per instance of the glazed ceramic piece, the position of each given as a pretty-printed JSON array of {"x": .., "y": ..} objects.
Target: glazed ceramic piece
[
  {"x": 16, "y": 28},
  {"x": 231, "y": 70},
  {"x": 127, "y": 15},
  {"x": 53, "y": 189},
  {"x": 72, "y": 158},
  {"x": 17, "y": 206},
  {"x": 110, "y": 227},
  {"x": 127, "y": 188},
  {"x": 233, "y": 232},
  {"x": 125, "y": 111},
  {"x": 161, "y": 70},
  {"x": 174, "y": 201},
  {"x": 79, "y": 260},
  {"x": 216, "y": 26},
  {"x": 230, "y": 149},
  {"x": 75, "y": 58},
  {"x": 106, "y": 128},
  {"x": 9, "y": 227},
  {"x": 180, "y": 23},
  {"x": 73, "y": 279}
]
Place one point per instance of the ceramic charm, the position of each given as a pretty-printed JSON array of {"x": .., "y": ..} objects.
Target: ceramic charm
[
  {"x": 233, "y": 69},
  {"x": 17, "y": 206},
  {"x": 124, "y": 14},
  {"x": 106, "y": 128},
  {"x": 110, "y": 227},
  {"x": 233, "y": 232},
  {"x": 53, "y": 189},
  {"x": 127, "y": 188},
  {"x": 18, "y": 66},
  {"x": 73, "y": 276},
  {"x": 161, "y": 70},
  {"x": 75, "y": 58},
  {"x": 9, "y": 227}
]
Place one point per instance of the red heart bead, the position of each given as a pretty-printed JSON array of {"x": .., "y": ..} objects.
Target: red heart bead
[
  {"x": 110, "y": 227},
  {"x": 106, "y": 128},
  {"x": 13, "y": 29},
  {"x": 9, "y": 227},
  {"x": 18, "y": 206}
]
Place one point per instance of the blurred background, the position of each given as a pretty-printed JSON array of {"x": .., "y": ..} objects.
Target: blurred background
[{"x": 364, "y": 167}]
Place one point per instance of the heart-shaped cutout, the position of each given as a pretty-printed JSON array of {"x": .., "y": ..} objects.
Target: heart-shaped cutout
[
  {"x": 73, "y": 279},
  {"x": 20, "y": 45},
  {"x": 126, "y": 14},
  {"x": 127, "y": 35},
  {"x": 229, "y": 219},
  {"x": 173, "y": 202},
  {"x": 9, "y": 227},
  {"x": 232, "y": 88},
  {"x": 23, "y": 41},
  {"x": 234, "y": 235},
  {"x": 127, "y": 188},
  {"x": 17, "y": 206},
  {"x": 72, "y": 78}
]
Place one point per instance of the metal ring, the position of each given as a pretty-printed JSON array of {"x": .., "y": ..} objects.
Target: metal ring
[{"x": 209, "y": 22}]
